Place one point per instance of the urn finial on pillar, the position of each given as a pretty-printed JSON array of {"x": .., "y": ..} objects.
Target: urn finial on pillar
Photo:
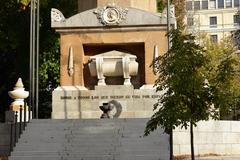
[{"x": 18, "y": 94}]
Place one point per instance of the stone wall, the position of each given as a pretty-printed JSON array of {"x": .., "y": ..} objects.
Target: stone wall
[
  {"x": 71, "y": 102},
  {"x": 217, "y": 137}
]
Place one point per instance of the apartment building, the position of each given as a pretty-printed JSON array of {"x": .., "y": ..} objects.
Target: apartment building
[{"x": 216, "y": 18}]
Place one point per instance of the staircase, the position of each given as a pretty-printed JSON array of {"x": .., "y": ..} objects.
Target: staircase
[{"x": 99, "y": 139}]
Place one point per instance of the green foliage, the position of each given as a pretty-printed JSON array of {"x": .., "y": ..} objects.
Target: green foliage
[
  {"x": 223, "y": 74},
  {"x": 186, "y": 95},
  {"x": 160, "y": 5},
  {"x": 14, "y": 48},
  {"x": 24, "y": 2},
  {"x": 12, "y": 26},
  {"x": 49, "y": 78},
  {"x": 49, "y": 70},
  {"x": 236, "y": 38},
  {"x": 180, "y": 11},
  {"x": 14, "y": 39}
]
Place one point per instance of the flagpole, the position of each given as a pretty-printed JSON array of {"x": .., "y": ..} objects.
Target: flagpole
[
  {"x": 30, "y": 55},
  {"x": 34, "y": 57},
  {"x": 37, "y": 59}
]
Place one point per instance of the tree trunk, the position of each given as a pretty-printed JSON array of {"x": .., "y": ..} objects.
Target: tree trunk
[
  {"x": 192, "y": 141},
  {"x": 171, "y": 144}
]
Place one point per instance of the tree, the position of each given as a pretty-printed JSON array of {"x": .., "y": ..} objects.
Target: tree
[
  {"x": 187, "y": 98},
  {"x": 236, "y": 36},
  {"x": 14, "y": 49},
  {"x": 14, "y": 40},
  {"x": 180, "y": 12},
  {"x": 161, "y": 4},
  {"x": 50, "y": 52},
  {"x": 222, "y": 73}
]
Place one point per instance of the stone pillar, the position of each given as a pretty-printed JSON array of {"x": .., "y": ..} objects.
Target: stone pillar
[
  {"x": 126, "y": 75},
  {"x": 100, "y": 76}
]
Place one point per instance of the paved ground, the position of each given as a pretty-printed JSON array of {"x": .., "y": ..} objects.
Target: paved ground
[
  {"x": 236, "y": 157},
  {"x": 221, "y": 158}
]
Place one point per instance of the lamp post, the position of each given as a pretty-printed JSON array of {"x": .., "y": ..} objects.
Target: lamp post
[{"x": 34, "y": 57}]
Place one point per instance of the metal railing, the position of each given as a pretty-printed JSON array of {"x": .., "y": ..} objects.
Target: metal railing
[{"x": 18, "y": 122}]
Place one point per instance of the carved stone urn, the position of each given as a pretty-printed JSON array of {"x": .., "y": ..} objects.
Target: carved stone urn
[{"x": 18, "y": 93}]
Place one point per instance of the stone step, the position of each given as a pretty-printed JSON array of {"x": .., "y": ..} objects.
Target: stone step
[
  {"x": 89, "y": 121},
  {"x": 35, "y": 153},
  {"x": 92, "y": 133},
  {"x": 114, "y": 139},
  {"x": 67, "y": 153},
  {"x": 76, "y": 128},
  {"x": 63, "y": 158},
  {"x": 93, "y": 141},
  {"x": 106, "y": 157}
]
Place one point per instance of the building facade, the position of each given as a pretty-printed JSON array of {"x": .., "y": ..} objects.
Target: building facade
[{"x": 216, "y": 18}]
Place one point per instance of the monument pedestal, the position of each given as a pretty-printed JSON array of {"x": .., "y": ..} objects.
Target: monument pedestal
[{"x": 72, "y": 102}]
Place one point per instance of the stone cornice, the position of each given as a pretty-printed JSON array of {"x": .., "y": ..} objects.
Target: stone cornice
[
  {"x": 94, "y": 19},
  {"x": 112, "y": 29}
]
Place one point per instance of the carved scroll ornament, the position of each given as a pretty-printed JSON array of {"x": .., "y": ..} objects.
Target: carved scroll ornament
[{"x": 56, "y": 15}]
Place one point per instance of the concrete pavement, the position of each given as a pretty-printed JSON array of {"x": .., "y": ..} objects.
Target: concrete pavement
[{"x": 232, "y": 157}]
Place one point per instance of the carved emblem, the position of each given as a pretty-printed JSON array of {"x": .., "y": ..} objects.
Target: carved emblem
[{"x": 111, "y": 14}]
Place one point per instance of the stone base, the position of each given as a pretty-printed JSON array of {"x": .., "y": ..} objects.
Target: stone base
[{"x": 77, "y": 102}]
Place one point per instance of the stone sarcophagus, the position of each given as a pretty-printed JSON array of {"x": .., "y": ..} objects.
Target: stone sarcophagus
[{"x": 111, "y": 64}]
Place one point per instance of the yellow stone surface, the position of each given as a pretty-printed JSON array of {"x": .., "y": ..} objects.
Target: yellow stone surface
[
  {"x": 17, "y": 108},
  {"x": 139, "y": 43},
  {"x": 147, "y": 5}
]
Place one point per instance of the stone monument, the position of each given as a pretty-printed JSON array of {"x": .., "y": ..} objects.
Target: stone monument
[{"x": 106, "y": 53}]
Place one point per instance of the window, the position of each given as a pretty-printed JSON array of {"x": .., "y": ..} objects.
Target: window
[
  {"x": 214, "y": 38},
  {"x": 236, "y": 19},
  {"x": 228, "y": 3},
  {"x": 204, "y": 4},
  {"x": 190, "y": 21},
  {"x": 236, "y": 3},
  {"x": 213, "y": 21},
  {"x": 220, "y": 3},
  {"x": 212, "y": 4},
  {"x": 196, "y": 5},
  {"x": 189, "y": 5}
]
